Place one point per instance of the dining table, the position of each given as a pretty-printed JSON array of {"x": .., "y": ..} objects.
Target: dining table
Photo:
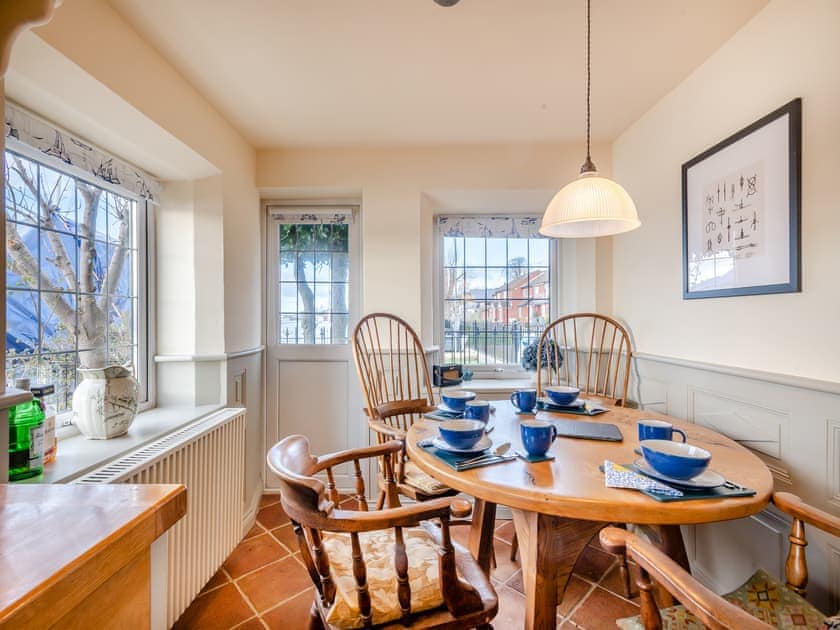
[{"x": 558, "y": 506}]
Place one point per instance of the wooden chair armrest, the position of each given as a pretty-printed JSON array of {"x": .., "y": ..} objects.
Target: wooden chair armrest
[
  {"x": 394, "y": 433},
  {"x": 795, "y": 507},
  {"x": 399, "y": 407},
  {"x": 712, "y": 609},
  {"x": 377, "y": 450},
  {"x": 405, "y": 516}
]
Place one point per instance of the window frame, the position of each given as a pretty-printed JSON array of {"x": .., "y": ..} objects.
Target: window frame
[
  {"x": 273, "y": 209},
  {"x": 144, "y": 272},
  {"x": 499, "y": 371}
]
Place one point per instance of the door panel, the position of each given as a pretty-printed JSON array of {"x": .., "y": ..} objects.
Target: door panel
[{"x": 313, "y": 281}]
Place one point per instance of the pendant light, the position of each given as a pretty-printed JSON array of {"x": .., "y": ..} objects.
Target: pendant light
[{"x": 591, "y": 205}]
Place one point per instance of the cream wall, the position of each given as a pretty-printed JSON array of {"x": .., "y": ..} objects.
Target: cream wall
[
  {"x": 90, "y": 72},
  {"x": 90, "y": 34},
  {"x": 401, "y": 190},
  {"x": 789, "y": 49}
]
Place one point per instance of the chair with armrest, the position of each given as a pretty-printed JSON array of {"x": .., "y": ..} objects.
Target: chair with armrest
[
  {"x": 394, "y": 377},
  {"x": 386, "y": 568},
  {"x": 761, "y": 603}
]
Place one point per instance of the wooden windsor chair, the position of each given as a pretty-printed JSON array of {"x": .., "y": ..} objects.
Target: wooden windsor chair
[
  {"x": 394, "y": 377},
  {"x": 390, "y": 568},
  {"x": 588, "y": 351},
  {"x": 760, "y": 604},
  {"x": 592, "y": 352}
]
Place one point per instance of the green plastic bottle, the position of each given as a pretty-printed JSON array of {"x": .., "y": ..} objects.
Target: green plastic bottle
[{"x": 26, "y": 440}]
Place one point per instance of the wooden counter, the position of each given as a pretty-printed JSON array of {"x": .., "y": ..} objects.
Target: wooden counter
[{"x": 79, "y": 555}]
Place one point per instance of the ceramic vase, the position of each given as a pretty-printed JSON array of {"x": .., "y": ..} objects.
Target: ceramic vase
[{"x": 105, "y": 402}]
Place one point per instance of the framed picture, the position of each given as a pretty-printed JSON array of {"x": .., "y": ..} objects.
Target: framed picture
[{"x": 741, "y": 211}]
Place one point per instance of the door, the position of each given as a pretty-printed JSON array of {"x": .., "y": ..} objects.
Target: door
[{"x": 313, "y": 285}]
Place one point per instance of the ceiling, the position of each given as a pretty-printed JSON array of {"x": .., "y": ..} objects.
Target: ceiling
[{"x": 398, "y": 72}]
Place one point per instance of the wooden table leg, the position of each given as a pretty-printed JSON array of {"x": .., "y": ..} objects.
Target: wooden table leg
[
  {"x": 549, "y": 547},
  {"x": 481, "y": 533}
]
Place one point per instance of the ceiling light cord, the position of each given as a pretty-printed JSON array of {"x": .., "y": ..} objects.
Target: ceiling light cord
[{"x": 588, "y": 165}]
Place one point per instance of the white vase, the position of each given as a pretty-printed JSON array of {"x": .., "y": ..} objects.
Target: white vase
[{"x": 105, "y": 402}]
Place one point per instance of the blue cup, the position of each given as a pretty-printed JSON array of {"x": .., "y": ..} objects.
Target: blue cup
[
  {"x": 651, "y": 429},
  {"x": 477, "y": 410},
  {"x": 537, "y": 436},
  {"x": 524, "y": 399}
]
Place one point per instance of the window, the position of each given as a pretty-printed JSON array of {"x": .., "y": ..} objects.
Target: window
[
  {"x": 314, "y": 276},
  {"x": 495, "y": 285},
  {"x": 75, "y": 275}
]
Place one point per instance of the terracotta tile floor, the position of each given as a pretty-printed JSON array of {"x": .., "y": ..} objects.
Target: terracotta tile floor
[{"x": 263, "y": 584}]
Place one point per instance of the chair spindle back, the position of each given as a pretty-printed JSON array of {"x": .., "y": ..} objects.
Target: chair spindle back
[
  {"x": 586, "y": 350},
  {"x": 392, "y": 370}
]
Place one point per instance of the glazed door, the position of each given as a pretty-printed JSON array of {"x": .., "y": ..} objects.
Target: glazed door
[{"x": 313, "y": 303}]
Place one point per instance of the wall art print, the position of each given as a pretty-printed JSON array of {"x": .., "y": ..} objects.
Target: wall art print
[{"x": 741, "y": 211}]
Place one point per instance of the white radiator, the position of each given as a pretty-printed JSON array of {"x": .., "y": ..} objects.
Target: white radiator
[{"x": 208, "y": 457}]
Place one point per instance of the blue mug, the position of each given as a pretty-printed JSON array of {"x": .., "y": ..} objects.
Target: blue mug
[
  {"x": 537, "y": 436},
  {"x": 650, "y": 429},
  {"x": 524, "y": 399},
  {"x": 477, "y": 410}
]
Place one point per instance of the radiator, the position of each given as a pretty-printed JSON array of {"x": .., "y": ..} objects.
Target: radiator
[{"x": 208, "y": 457}]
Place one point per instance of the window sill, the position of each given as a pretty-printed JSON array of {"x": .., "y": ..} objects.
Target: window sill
[
  {"x": 77, "y": 455},
  {"x": 484, "y": 386}
]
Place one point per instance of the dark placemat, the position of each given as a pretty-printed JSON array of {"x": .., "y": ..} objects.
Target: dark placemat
[
  {"x": 584, "y": 430},
  {"x": 452, "y": 459},
  {"x": 443, "y": 415},
  {"x": 581, "y": 410},
  {"x": 689, "y": 494},
  {"x": 536, "y": 460},
  {"x": 727, "y": 490}
]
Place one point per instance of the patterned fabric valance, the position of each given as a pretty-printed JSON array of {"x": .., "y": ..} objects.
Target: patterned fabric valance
[
  {"x": 336, "y": 215},
  {"x": 478, "y": 226},
  {"x": 28, "y": 129}
]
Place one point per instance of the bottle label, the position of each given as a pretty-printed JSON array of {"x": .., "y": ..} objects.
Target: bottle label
[{"x": 36, "y": 446}]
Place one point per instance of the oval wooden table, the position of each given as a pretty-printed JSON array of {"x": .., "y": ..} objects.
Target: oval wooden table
[{"x": 559, "y": 505}]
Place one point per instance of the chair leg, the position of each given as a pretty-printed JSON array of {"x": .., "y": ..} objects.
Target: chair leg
[
  {"x": 624, "y": 574},
  {"x": 514, "y": 547},
  {"x": 380, "y": 500},
  {"x": 315, "y": 621}
]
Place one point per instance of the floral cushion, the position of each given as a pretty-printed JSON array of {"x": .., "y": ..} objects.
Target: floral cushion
[
  {"x": 378, "y": 553},
  {"x": 761, "y": 596},
  {"x": 832, "y": 623}
]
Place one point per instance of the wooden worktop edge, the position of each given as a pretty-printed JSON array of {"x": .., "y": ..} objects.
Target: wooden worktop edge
[{"x": 57, "y": 595}]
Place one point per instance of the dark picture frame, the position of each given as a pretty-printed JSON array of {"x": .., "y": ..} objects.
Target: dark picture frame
[{"x": 741, "y": 211}]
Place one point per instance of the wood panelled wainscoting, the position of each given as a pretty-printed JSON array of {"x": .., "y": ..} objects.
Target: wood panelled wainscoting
[{"x": 793, "y": 424}]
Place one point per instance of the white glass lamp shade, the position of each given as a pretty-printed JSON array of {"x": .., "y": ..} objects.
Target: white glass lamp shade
[{"x": 590, "y": 206}]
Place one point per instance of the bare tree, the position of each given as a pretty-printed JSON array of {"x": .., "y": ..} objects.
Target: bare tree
[{"x": 94, "y": 284}]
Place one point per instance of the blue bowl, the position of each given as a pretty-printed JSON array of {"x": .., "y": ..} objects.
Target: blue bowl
[
  {"x": 675, "y": 459},
  {"x": 561, "y": 394},
  {"x": 457, "y": 399},
  {"x": 461, "y": 434}
]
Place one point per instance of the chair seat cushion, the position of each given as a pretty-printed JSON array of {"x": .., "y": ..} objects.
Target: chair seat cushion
[
  {"x": 378, "y": 553},
  {"x": 761, "y": 596},
  {"x": 423, "y": 482}
]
